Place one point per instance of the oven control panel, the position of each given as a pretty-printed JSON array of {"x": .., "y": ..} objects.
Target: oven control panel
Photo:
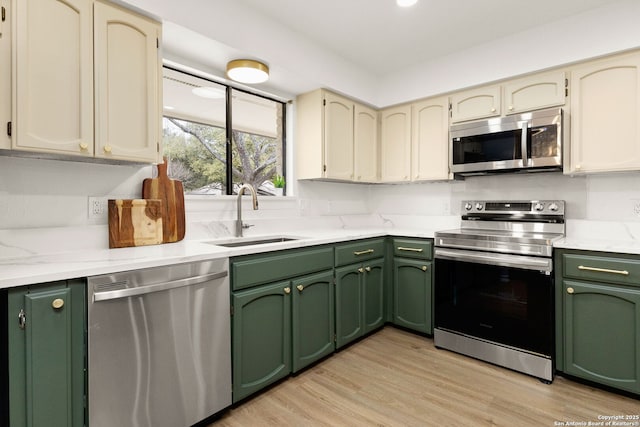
[{"x": 535, "y": 207}]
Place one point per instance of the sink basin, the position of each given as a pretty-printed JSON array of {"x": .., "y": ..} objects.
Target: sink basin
[{"x": 238, "y": 242}]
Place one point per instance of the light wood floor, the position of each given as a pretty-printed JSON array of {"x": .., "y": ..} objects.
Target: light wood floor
[{"x": 396, "y": 378}]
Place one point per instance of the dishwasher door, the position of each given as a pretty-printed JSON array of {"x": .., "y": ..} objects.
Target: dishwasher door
[{"x": 159, "y": 345}]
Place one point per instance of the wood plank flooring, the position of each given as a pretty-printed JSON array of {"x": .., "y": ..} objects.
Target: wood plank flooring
[{"x": 396, "y": 378}]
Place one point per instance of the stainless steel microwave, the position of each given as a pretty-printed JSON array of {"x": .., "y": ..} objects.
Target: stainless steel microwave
[{"x": 520, "y": 142}]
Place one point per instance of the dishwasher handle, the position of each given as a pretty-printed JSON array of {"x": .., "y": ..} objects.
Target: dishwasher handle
[{"x": 142, "y": 290}]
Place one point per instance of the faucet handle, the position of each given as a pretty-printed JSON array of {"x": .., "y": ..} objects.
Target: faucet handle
[{"x": 245, "y": 225}]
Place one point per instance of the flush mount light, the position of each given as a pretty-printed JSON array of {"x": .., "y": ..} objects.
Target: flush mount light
[
  {"x": 208, "y": 92},
  {"x": 406, "y": 3},
  {"x": 247, "y": 71}
]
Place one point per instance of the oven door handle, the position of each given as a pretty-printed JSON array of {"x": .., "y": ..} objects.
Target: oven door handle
[{"x": 503, "y": 260}]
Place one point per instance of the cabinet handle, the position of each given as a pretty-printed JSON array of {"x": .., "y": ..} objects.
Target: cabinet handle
[
  {"x": 107, "y": 148},
  {"x": 401, "y": 248},
  {"x": 425, "y": 268},
  {"x": 361, "y": 270},
  {"x": 367, "y": 269},
  {"x": 604, "y": 270},
  {"x": 57, "y": 303},
  {"x": 510, "y": 107},
  {"x": 287, "y": 290},
  {"x": 83, "y": 146},
  {"x": 368, "y": 251},
  {"x": 493, "y": 110},
  {"x": 300, "y": 288},
  {"x": 570, "y": 290},
  {"x": 578, "y": 167},
  {"x": 22, "y": 319}
]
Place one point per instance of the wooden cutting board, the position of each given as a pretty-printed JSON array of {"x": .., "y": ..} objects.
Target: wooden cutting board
[
  {"x": 134, "y": 222},
  {"x": 171, "y": 193}
]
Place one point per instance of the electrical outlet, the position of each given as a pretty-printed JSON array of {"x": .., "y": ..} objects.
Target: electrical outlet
[{"x": 97, "y": 207}]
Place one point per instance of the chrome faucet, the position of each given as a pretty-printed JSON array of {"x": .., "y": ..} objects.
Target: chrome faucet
[{"x": 254, "y": 196}]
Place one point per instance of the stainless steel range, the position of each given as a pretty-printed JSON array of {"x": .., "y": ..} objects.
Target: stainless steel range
[{"x": 494, "y": 287}]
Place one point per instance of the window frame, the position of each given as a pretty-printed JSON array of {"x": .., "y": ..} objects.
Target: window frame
[{"x": 228, "y": 187}]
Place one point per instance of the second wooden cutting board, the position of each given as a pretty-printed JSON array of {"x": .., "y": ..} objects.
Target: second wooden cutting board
[{"x": 171, "y": 193}]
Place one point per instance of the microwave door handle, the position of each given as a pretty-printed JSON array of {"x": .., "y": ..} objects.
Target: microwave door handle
[{"x": 523, "y": 143}]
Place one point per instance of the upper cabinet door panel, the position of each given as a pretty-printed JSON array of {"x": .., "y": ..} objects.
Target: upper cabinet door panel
[
  {"x": 53, "y": 76},
  {"x": 475, "y": 104},
  {"x": 5, "y": 80},
  {"x": 396, "y": 144},
  {"x": 338, "y": 136},
  {"x": 365, "y": 144},
  {"x": 430, "y": 141},
  {"x": 534, "y": 92},
  {"x": 605, "y": 115},
  {"x": 127, "y": 85}
]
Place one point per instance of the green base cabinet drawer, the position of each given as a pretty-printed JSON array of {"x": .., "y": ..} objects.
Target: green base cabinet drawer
[
  {"x": 359, "y": 251},
  {"x": 252, "y": 270},
  {"x": 601, "y": 334},
  {"x": 602, "y": 269},
  {"x": 412, "y": 248}
]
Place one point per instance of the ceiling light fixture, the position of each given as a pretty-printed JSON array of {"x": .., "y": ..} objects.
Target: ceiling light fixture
[
  {"x": 247, "y": 71},
  {"x": 406, "y": 3}
]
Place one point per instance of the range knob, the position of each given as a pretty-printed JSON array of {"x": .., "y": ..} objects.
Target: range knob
[
  {"x": 479, "y": 206},
  {"x": 553, "y": 207},
  {"x": 538, "y": 207},
  {"x": 468, "y": 206}
]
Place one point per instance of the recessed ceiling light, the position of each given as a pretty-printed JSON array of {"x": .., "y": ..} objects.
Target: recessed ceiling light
[
  {"x": 208, "y": 92},
  {"x": 406, "y": 3}
]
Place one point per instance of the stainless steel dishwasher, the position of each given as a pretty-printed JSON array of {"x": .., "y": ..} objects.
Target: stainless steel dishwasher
[{"x": 159, "y": 345}]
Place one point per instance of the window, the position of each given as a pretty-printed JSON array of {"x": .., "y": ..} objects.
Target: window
[{"x": 200, "y": 116}]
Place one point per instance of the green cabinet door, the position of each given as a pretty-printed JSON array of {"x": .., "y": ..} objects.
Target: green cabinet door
[
  {"x": 312, "y": 318},
  {"x": 261, "y": 343},
  {"x": 412, "y": 294},
  {"x": 349, "y": 316},
  {"x": 373, "y": 294},
  {"x": 47, "y": 355},
  {"x": 601, "y": 336}
]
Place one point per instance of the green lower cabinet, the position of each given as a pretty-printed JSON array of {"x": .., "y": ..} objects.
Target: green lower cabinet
[
  {"x": 313, "y": 319},
  {"x": 412, "y": 294},
  {"x": 47, "y": 354},
  {"x": 601, "y": 334},
  {"x": 261, "y": 343},
  {"x": 359, "y": 300}
]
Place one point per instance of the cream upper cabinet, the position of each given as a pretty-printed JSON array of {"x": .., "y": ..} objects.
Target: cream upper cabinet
[
  {"x": 605, "y": 115},
  {"x": 65, "y": 103},
  {"x": 395, "y": 144},
  {"x": 365, "y": 144},
  {"x": 535, "y": 92},
  {"x": 430, "y": 139},
  {"x": 325, "y": 130},
  {"x": 53, "y": 76},
  {"x": 475, "y": 104},
  {"x": 338, "y": 131},
  {"x": 127, "y": 85},
  {"x": 5, "y": 77}
]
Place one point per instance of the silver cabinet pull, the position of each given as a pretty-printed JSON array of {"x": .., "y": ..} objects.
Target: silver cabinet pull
[
  {"x": 603, "y": 270},
  {"x": 22, "y": 319},
  {"x": 400, "y": 248},
  {"x": 368, "y": 251}
]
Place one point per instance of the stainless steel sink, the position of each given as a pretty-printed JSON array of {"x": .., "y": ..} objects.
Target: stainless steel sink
[{"x": 233, "y": 243}]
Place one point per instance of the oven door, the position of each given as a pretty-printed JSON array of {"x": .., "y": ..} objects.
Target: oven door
[{"x": 505, "y": 299}]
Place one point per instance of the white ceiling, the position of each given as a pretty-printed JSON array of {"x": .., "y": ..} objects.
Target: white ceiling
[
  {"x": 359, "y": 46},
  {"x": 383, "y": 38}
]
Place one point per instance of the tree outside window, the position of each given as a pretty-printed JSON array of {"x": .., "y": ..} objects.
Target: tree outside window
[{"x": 195, "y": 135}]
